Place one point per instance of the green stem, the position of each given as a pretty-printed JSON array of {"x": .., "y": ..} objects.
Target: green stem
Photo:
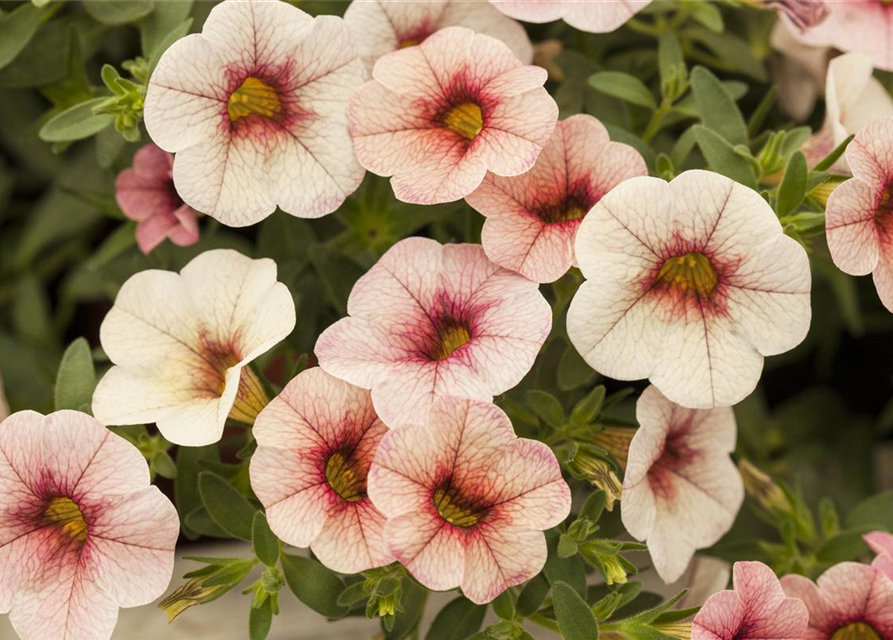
[
  {"x": 656, "y": 118},
  {"x": 643, "y": 27},
  {"x": 543, "y": 621}
]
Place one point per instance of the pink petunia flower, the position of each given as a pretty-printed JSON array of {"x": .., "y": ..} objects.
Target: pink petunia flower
[
  {"x": 182, "y": 343},
  {"x": 689, "y": 284},
  {"x": 430, "y": 320},
  {"x": 532, "y": 219},
  {"x": 83, "y": 532},
  {"x": 437, "y": 116},
  {"x": 466, "y": 500},
  {"x": 756, "y": 609},
  {"x": 849, "y": 600},
  {"x": 853, "y": 25},
  {"x": 315, "y": 442},
  {"x": 853, "y": 98},
  {"x": 381, "y": 26},
  {"x": 881, "y": 543},
  {"x": 859, "y": 213},
  {"x": 595, "y": 16},
  {"x": 145, "y": 192},
  {"x": 254, "y": 108},
  {"x": 798, "y": 71},
  {"x": 681, "y": 490}
]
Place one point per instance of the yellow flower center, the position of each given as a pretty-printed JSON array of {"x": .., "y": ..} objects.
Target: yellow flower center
[
  {"x": 409, "y": 42},
  {"x": 884, "y": 211},
  {"x": 856, "y": 631},
  {"x": 689, "y": 273},
  {"x": 256, "y": 97},
  {"x": 66, "y": 516},
  {"x": 449, "y": 339},
  {"x": 465, "y": 119},
  {"x": 342, "y": 476},
  {"x": 564, "y": 212},
  {"x": 455, "y": 510}
]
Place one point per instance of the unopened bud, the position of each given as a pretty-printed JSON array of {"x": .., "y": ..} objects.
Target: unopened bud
[
  {"x": 599, "y": 473},
  {"x": 760, "y": 487}
]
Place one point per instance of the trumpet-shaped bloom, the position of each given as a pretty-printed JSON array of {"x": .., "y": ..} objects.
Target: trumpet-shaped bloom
[
  {"x": 689, "y": 284},
  {"x": 430, "y": 320},
  {"x": 756, "y": 609},
  {"x": 853, "y": 98},
  {"x": 437, "y": 116},
  {"x": 854, "y": 25},
  {"x": 181, "y": 345},
  {"x": 381, "y": 26},
  {"x": 315, "y": 442},
  {"x": 83, "y": 532},
  {"x": 595, "y": 16},
  {"x": 859, "y": 213},
  {"x": 681, "y": 491},
  {"x": 881, "y": 543},
  {"x": 254, "y": 108},
  {"x": 466, "y": 500},
  {"x": 145, "y": 192},
  {"x": 849, "y": 600},
  {"x": 532, "y": 219}
]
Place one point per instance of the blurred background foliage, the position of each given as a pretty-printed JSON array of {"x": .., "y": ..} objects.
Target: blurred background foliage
[{"x": 821, "y": 419}]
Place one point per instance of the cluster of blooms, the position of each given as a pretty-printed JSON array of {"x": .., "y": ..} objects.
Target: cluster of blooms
[{"x": 392, "y": 449}]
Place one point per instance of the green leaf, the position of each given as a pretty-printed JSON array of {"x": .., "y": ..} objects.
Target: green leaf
[
  {"x": 730, "y": 48},
  {"x": 175, "y": 34},
  {"x": 16, "y": 30},
  {"x": 457, "y": 620},
  {"x": 264, "y": 541},
  {"x": 594, "y": 506},
  {"x": 260, "y": 620},
  {"x": 199, "y": 522},
  {"x": 75, "y": 123},
  {"x": 118, "y": 12},
  {"x": 413, "y": 603},
  {"x": 532, "y": 595},
  {"x": 876, "y": 511},
  {"x": 575, "y": 619},
  {"x": 546, "y": 407},
  {"x": 76, "y": 378},
  {"x": 708, "y": 14},
  {"x": 314, "y": 585},
  {"x": 588, "y": 408},
  {"x": 227, "y": 507},
  {"x": 719, "y": 113},
  {"x": 567, "y": 546},
  {"x": 758, "y": 117},
  {"x": 568, "y": 570},
  {"x": 793, "y": 186},
  {"x": 573, "y": 372},
  {"x": 722, "y": 158},
  {"x": 624, "y": 86},
  {"x": 164, "y": 465},
  {"x": 156, "y": 29},
  {"x": 846, "y": 545},
  {"x": 186, "y": 493},
  {"x": 828, "y": 161},
  {"x": 504, "y": 605}
]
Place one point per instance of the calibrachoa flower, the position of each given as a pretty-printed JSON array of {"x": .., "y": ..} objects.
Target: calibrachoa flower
[
  {"x": 532, "y": 219},
  {"x": 466, "y": 500},
  {"x": 182, "y": 343},
  {"x": 437, "y": 116},
  {"x": 859, "y": 213},
  {"x": 853, "y": 98},
  {"x": 594, "y": 16},
  {"x": 681, "y": 490},
  {"x": 83, "y": 532},
  {"x": 430, "y": 320},
  {"x": 854, "y": 25},
  {"x": 381, "y": 26},
  {"x": 689, "y": 284},
  {"x": 146, "y": 194},
  {"x": 254, "y": 109},
  {"x": 881, "y": 543},
  {"x": 756, "y": 609},
  {"x": 315, "y": 442},
  {"x": 849, "y": 600}
]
